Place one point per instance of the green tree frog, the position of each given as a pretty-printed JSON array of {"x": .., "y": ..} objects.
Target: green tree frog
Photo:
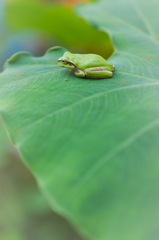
[{"x": 87, "y": 65}]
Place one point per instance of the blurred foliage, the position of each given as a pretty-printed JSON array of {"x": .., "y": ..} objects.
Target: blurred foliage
[
  {"x": 2, "y": 34},
  {"x": 70, "y": 2},
  {"x": 73, "y": 2},
  {"x": 60, "y": 22},
  {"x": 24, "y": 40},
  {"x": 4, "y": 143}
]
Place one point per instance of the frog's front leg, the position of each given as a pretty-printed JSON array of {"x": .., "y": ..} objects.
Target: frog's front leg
[
  {"x": 98, "y": 72},
  {"x": 79, "y": 73}
]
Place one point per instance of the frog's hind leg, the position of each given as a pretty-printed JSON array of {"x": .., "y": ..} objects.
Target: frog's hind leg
[
  {"x": 79, "y": 73},
  {"x": 98, "y": 73}
]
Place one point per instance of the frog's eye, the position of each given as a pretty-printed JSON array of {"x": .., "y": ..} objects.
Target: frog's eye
[{"x": 64, "y": 61}]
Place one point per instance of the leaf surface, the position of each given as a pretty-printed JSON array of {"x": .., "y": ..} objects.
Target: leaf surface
[{"x": 93, "y": 144}]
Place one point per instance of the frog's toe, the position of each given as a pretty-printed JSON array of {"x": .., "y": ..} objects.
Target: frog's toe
[{"x": 79, "y": 73}]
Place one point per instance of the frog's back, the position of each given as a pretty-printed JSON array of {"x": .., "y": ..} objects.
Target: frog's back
[{"x": 83, "y": 61}]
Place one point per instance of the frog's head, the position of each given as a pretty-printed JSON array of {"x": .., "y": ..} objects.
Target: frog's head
[{"x": 65, "y": 62}]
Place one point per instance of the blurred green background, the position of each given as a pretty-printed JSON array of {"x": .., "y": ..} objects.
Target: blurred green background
[
  {"x": 34, "y": 26},
  {"x": 24, "y": 213}
]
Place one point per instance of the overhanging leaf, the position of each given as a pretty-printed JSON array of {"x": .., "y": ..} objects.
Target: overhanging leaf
[
  {"x": 60, "y": 22},
  {"x": 93, "y": 144}
]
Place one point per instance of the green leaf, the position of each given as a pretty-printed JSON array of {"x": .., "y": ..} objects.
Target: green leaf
[
  {"x": 60, "y": 22},
  {"x": 93, "y": 144}
]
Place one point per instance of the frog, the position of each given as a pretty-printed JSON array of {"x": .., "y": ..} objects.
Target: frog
[{"x": 87, "y": 65}]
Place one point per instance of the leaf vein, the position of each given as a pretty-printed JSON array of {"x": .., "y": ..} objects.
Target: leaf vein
[
  {"x": 98, "y": 165},
  {"x": 86, "y": 99}
]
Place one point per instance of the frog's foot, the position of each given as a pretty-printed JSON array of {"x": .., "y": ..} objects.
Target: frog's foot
[
  {"x": 98, "y": 72},
  {"x": 80, "y": 73}
]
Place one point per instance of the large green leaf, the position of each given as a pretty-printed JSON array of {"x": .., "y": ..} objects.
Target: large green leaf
[{"x": 93, "y": 144}]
